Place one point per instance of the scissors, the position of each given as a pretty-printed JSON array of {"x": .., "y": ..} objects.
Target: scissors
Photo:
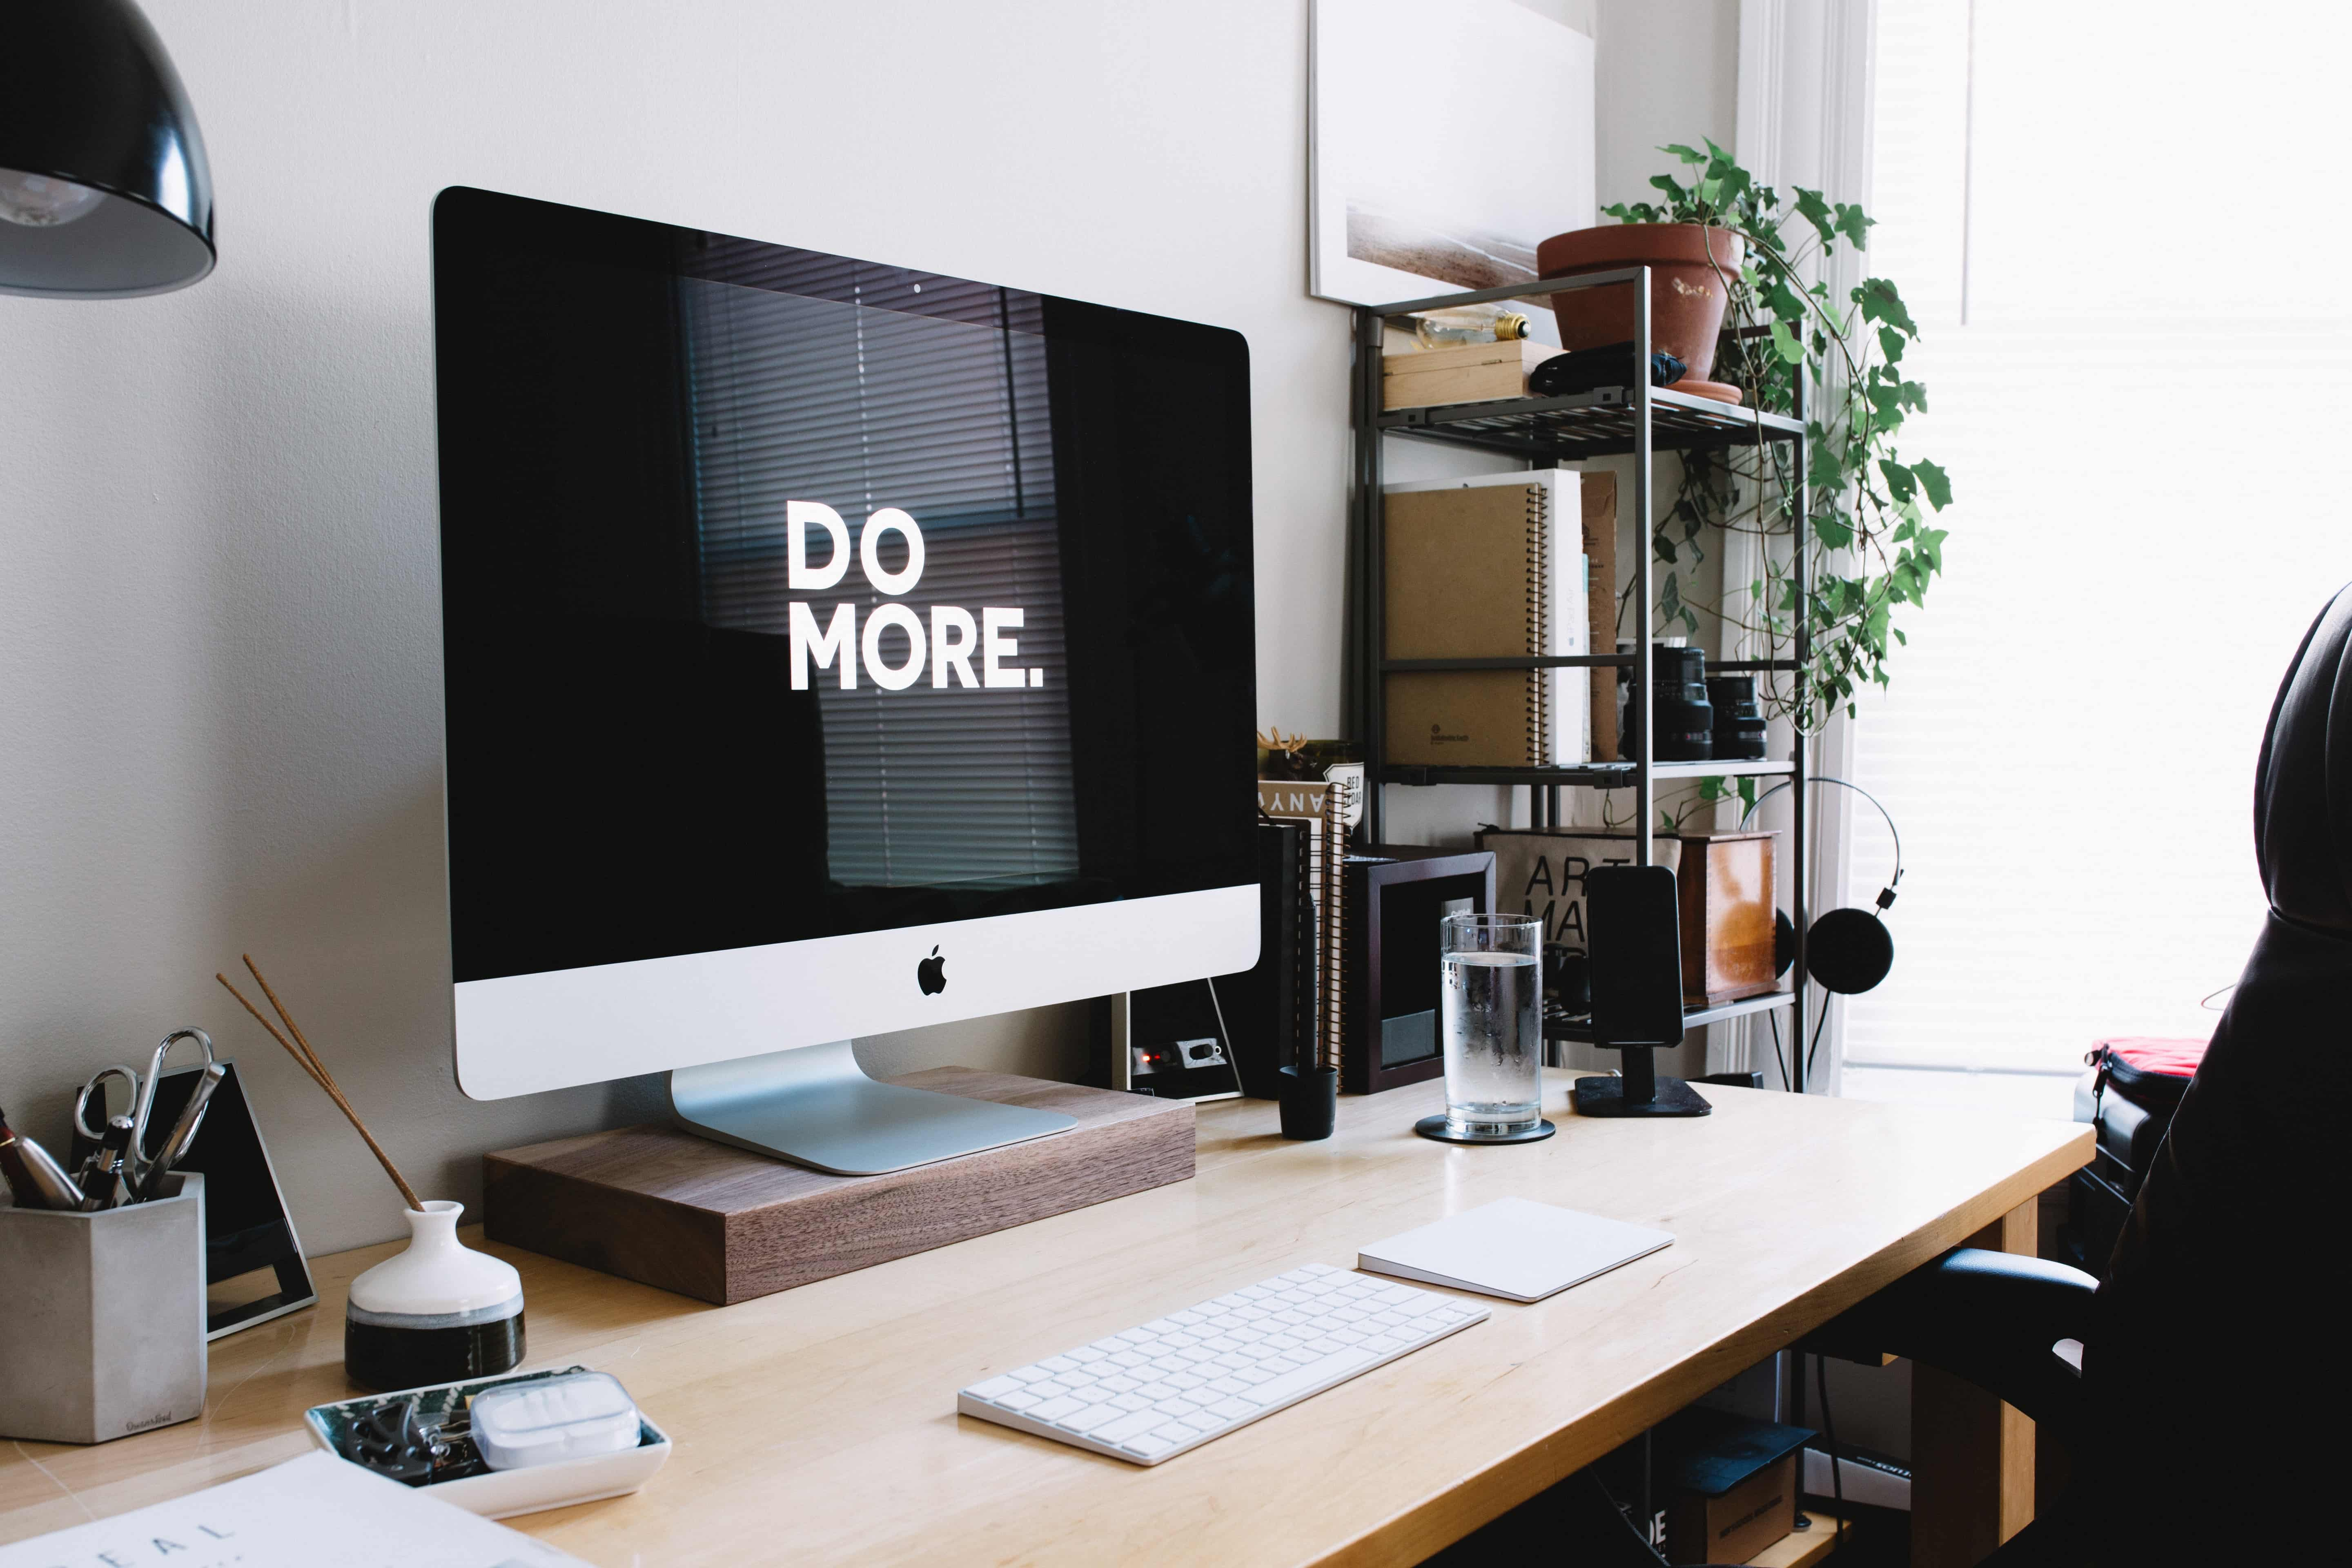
[{"x": 141, "y": 1100}]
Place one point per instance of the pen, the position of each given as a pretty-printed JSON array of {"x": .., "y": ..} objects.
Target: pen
[
  {"x": 183, "y": 1130},
  {"x": 35, "y": 1180},
  {"x": 111, "y": 1187}
]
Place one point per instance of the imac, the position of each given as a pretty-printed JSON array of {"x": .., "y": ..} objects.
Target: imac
[{"x": 830, "y": 648}]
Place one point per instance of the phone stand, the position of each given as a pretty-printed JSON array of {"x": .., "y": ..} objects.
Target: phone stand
[{"x": 1640, "y": 1092}]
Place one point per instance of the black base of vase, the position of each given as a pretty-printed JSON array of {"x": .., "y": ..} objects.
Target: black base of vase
[
  {"x": 380, "y": 1358},
  {"x": 1310, "y": 1103}
]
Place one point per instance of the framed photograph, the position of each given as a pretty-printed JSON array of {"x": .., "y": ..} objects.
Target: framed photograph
[{"x": 1447, "y": 139}]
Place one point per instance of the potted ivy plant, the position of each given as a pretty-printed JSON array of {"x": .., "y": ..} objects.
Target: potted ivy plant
[{"x": 1868, "y": 503}]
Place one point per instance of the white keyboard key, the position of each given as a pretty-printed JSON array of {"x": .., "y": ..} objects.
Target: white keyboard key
[
  {"x": 1132, "y": 1424},
  {"x": 1053, "y": 1409},
  {"x": 996, "y": 1387},
  {"x": 1291, "y": 1384},
  {"x": 1092, "y": 1417},
  {"x": 1150, "y": 1448}
]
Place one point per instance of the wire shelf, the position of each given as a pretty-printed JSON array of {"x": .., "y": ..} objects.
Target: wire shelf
[
  {"x": 1590, "y": 775},
  {"x": 1589, "y": 424}
]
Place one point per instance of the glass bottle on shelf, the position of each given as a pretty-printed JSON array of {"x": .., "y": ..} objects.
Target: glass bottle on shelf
[{"x": 1468, "y": 324}]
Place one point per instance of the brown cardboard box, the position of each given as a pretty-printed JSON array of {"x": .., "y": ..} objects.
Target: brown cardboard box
[
  {"x": 1736, "y": 1526},
  {"x": 1466, "y": 373}
]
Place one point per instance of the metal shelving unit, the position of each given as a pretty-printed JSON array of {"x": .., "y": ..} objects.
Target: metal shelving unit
[{"x": 1641, "y": 420}]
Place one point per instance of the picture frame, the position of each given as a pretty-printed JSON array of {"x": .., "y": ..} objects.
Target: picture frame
[{"x": 1445, "y": 139}]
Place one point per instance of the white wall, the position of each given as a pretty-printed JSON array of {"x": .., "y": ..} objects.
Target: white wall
[
  {"x": 219, "y": 659},
  {"x": 219, "y": 606}
]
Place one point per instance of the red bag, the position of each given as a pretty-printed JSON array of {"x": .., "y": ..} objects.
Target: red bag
[{"x": 2140, "y": 1085}]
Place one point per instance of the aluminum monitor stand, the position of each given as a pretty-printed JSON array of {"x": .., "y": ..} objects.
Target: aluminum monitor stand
[{"x": 816, "y": 1106}]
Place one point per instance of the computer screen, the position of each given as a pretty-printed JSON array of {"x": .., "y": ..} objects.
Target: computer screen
[{"x": 830, "y": 647}]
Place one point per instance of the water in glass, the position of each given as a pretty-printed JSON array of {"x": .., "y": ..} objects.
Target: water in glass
[{"x": 1491, "y": 1021}]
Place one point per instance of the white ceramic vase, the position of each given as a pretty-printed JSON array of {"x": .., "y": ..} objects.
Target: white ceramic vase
[{"x": 438, "y": 1312}]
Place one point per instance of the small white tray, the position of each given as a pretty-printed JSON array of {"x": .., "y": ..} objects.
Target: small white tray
[{"x": 501, "y": 1494}]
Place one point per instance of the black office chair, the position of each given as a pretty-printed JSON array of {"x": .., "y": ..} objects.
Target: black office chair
[{"x": 2208, "y": 1421}]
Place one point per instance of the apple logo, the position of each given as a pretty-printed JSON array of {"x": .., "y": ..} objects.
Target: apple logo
[{"x": 931, "y": 974}]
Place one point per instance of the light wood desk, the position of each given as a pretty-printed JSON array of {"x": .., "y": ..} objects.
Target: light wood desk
[{"x": 819, "y": 1425}]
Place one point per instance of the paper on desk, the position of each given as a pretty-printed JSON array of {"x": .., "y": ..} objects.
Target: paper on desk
[
  {"x": 316, "y": 1511},
  {"x": 1513, "y": 1247}
]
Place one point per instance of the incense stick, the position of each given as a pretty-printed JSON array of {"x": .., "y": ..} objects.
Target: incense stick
[{"x": 308, "y": 1060}]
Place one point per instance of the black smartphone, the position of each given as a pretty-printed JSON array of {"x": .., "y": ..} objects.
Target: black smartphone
[{"x": 1635, "y": 951}]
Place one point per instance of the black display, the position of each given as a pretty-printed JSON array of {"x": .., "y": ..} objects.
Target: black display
[{"x": 787, "y": 595}]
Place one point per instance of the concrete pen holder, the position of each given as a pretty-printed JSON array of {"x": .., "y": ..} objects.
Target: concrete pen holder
[{"x": 105, "y": 1335}]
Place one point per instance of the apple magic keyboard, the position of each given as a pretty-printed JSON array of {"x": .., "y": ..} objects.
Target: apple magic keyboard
[{"x": 1151, "y": 1392}]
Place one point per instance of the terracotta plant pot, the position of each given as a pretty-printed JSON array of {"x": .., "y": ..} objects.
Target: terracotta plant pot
[{"x": 1687, "y": 292}]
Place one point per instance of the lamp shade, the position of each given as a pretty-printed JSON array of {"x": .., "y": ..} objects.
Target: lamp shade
[{"x": 104, "y": 190}]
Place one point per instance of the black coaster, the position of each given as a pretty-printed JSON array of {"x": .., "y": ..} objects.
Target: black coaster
[
  {"x": 1606, "y": 1097},
  {"x": 1435, "y": 1127}
]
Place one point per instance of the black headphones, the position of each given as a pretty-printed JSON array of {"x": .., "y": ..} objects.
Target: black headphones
[{"x": 1847, "y": 951}]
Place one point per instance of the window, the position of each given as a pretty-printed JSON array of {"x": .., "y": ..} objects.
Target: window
[{"x": 2142, "y": 416}]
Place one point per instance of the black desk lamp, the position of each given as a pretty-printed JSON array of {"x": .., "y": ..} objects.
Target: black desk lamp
[{"x": 104, "y": 190}]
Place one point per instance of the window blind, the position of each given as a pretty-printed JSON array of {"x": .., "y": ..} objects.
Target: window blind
[
  {"x": 2144, "y": 524},
  {"x": 833, "y": 395}
]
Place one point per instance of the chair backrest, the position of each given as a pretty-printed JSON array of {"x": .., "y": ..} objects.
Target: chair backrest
[{"x": 2214, "y": 1348}]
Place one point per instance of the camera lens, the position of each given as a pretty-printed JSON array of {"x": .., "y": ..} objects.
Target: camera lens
[
  {"x": 1740, "y": 728},
  {"x": 1683, "y": 722}
]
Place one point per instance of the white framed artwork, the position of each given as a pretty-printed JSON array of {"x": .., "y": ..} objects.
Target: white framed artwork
[{"x": 1447, "y": 139}]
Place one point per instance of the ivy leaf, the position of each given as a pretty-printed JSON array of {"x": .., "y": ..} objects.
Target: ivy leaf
[
  {"x": 1914, "y": 398},
  {"x": 1885, "y": 401},
  {"x": 1729, "y": 178},
  {"x": 1900, "y": 638},
  {"x": 1814, "y": 210},
  {"x": 1669, "y": 184},
  {"x": 1852, "y": 224},
  {"x": 1901, "y": 483},
  {"x": 1890, "y": 344},
  {"x": 1784, "y": 302},
  {"x": 1687, "y": 154},
  {"x": 1880, "y": 302},
  {"x": 1785, "y": 344},
  {"x": 1831, "y": 529},
  {"x": 1934, "y": 480}
]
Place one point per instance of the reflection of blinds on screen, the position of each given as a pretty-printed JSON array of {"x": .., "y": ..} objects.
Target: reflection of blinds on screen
[{"x": 860, "y": 407}]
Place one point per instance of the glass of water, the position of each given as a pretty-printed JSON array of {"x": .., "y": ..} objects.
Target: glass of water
[{"x": 1490, "y": 1019}]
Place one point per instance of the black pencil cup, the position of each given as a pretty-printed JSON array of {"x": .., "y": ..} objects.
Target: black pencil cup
[{"x": 1310, "y": 1103}]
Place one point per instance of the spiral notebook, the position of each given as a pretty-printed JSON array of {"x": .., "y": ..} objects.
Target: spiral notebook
[{"x": 1489, "y": 567}]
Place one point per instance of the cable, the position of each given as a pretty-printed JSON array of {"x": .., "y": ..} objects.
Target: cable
[
  {"x": 1820, "y": 1023},
  {"x": 1829, "y": 1436},
  {"x": 1773, "y": 1018}
]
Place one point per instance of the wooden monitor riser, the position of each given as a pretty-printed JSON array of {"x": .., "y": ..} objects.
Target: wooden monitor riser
[{"x": 662, "y": 1207}]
